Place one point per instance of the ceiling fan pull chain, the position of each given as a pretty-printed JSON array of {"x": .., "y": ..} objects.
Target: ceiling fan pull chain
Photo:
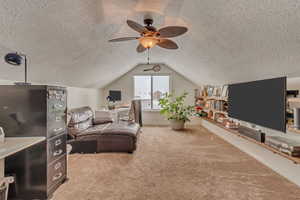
[{"x": 148, "y": 56}]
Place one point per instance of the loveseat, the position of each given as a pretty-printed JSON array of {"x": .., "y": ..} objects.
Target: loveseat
[{"x": 90, "y": 135}]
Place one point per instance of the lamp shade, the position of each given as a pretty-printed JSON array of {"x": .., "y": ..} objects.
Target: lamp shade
[
  {"x": 148, "y": 42},
  {"x": 13, "y": 59}
]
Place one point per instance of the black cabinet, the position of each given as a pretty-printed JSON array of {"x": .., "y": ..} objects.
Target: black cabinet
[{"x": 28, "y": 111}]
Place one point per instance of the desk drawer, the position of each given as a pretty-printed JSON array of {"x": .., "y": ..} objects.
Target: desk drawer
[
  {"x": 56, "y": 147},
  {"x": 57, "y": 100},
  {"x": 56, "y": 172},
  {"x": 55, "y": 106},
  {"x": 56, "y": 124}
]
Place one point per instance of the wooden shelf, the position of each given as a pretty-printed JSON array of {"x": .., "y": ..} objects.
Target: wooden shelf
[
  {"x": 294, "y": 130},
  {"x": 296, "y": 160},
  {"x": 297, "y": 100},
  {"x": 216, "y": 98},
  {"x": 222, "y": 112},
  {"x": 212, "y": 98}
]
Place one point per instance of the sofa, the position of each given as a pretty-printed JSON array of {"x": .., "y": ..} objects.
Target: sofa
[{"x": 90, "y": 135}]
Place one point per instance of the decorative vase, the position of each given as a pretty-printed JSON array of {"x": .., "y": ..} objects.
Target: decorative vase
[
  {"x": 177, "y": 124},
  {"x": 111, "y": 107}
]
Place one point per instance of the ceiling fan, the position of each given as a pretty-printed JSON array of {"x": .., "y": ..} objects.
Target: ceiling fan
[
  {"x": 150, "y": 36},
  {"x": 155, "y": 68}
]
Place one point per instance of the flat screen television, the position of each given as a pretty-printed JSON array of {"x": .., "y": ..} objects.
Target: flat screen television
[
  {"x": 260, "y": 102},
  {"x": 115, "y": 95}
]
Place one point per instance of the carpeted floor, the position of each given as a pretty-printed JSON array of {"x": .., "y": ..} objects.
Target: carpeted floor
[{"x": 168, "y": 165}]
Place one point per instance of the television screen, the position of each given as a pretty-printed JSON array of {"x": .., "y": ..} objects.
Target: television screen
[
  {"x": 259, "y": 102},
  {"x": 115, "y": 95}
]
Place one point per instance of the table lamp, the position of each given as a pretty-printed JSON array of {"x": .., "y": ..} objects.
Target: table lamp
[{"x": 17, "y": 59}]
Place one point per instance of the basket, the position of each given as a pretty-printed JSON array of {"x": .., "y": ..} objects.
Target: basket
[
  {"x": 3, "y": 189},
  {"x": 4, "y": 184}
]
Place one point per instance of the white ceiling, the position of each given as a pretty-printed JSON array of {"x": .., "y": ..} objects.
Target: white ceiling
[{"x": 228, "y": 40}]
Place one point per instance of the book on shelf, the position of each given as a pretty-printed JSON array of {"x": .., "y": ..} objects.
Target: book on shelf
[
  {"x": 210, "y": 91},
  {"x": 216, "y": 105},
  {"x": 224, "y": 91},
  {"x": 290, "y": 153},
  {"x": 283, "y": 150},
  {"x": 284, "y": 143},
  {"x": 231, "y": 125}
]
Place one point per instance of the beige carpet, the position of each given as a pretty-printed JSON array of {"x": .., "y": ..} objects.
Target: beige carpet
[{"x": 168, "y": 165}]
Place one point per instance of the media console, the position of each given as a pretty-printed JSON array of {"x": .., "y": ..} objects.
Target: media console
[{"x": 211, "y": 125}]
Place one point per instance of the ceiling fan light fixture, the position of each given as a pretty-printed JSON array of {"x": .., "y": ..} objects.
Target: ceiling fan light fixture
[
  {"x": 148, "y": 42},
  {"x": 149, "y": 36}
]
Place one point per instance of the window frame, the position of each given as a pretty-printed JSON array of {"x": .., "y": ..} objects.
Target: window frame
[{"x": 151, "y": 75}]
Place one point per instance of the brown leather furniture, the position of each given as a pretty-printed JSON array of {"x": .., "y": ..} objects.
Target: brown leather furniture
[{"x": 88, "y": 135}]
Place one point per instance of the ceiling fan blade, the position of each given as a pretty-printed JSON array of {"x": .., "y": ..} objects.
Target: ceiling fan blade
[
  {"x": 172, "y": 31},
  {"x": 140, "y": 48},
  {"x": 167, "y": 44},
  {"x": 136, "y": 26},
  {"x": 123, "y": 39},
  {"x": 146, "y": 70}
]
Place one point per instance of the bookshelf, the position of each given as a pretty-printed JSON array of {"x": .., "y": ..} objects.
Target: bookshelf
[{"x": 212, "y": 102}]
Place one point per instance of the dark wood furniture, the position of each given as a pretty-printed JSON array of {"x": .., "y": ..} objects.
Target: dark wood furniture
[{"x": 28, "y": 111}]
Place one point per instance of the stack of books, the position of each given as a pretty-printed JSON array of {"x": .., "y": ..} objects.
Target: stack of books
[
  {"x": 231, "y": 124},
  {"x": 284, "y": 145}
]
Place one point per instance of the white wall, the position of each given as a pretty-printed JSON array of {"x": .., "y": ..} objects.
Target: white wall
[
  {"x": 77, "y": 97},
  {"x": 293, "y": 83},
  {"x": 178, "y": 85}
]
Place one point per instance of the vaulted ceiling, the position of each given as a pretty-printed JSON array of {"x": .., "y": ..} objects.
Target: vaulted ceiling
[{"x": 228, "y": 40}]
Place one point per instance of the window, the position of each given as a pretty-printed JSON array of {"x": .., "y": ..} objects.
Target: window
[
  {"x": 142, "y": 90},
  {"x": 150, "y": 89}
]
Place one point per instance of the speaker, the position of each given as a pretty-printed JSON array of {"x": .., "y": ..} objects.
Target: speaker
[
  {"x": 297, "y": 118},
  {"x": 251, "y": 133}
]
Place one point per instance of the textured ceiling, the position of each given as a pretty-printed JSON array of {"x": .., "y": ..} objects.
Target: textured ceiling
[{"x": 228, "y": 40}]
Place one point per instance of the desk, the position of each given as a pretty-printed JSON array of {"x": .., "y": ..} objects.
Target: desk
[{"x": 13, "y": 145}]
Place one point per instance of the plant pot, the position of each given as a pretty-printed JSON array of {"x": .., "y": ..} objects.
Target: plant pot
[{"x": 177, "y": 124}]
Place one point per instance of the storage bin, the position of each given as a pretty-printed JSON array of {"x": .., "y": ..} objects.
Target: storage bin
[{"x": 3, "y": 190}]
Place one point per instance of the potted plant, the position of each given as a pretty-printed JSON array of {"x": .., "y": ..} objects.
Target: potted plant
[{"x": 175, "y": 110}]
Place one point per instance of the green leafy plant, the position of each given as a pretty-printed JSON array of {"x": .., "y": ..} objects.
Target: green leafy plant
[{"x": 174, "y": 108}]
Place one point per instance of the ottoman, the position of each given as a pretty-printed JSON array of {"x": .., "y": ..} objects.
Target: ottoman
[{"x": 119, "y": 137}]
